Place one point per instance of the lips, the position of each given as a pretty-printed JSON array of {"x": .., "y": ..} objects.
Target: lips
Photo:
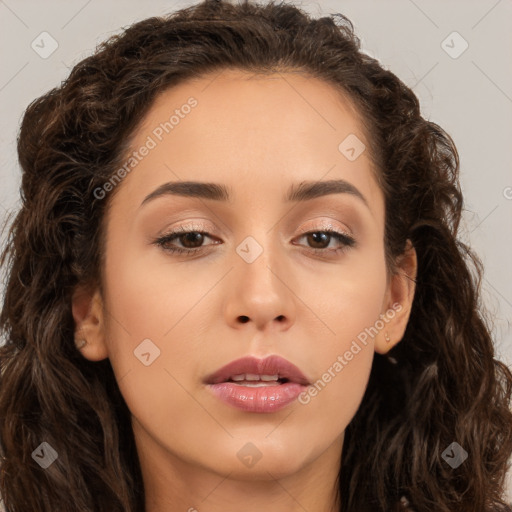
[
  {"x": 257, "y": 385},
  {"x": 272, "y": 369}
]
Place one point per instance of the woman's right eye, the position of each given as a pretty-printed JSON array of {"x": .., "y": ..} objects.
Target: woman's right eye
[{"x": 186, "y": 238}]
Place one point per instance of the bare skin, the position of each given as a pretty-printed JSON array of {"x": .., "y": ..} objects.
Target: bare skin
[{"x": 258, "y": 136}]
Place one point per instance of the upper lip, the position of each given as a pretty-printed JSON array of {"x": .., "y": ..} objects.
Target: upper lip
[{"x": 271, "y": 365}]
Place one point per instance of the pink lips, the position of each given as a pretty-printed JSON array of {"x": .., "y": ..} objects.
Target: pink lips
[{"x": 258, "y": 385}]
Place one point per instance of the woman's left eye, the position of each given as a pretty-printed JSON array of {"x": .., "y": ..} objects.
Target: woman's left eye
[
  {"x": 319, "y": 237},
  {"x": 194, "y": 239}
]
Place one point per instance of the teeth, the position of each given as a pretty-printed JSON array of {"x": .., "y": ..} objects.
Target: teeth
[
  {"x": 254, "y": 377},
  {"x": 258, "y": 384},
  {"x": 268, "y": 378}
]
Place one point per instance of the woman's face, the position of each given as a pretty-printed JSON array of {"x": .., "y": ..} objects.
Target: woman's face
[{"x": 255, "y": 284}]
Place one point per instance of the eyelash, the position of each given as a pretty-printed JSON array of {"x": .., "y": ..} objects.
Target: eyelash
[{"x": 346, "y": 240}]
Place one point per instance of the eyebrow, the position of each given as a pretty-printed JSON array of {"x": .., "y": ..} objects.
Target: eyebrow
[{"x": 302, "y": 191}]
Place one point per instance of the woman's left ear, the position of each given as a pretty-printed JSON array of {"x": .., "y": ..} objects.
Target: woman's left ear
[
  {"x": 398, "y": 301},
  {"x": 87, "y": 309}
]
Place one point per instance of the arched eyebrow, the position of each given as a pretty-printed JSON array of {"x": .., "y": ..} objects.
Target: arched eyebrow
[
  {"x": 302, "y": 191},
  {"x": 306, "y": 190}
]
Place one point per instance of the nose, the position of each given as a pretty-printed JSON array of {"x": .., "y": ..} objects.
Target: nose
[{"x": 260, "y": 293}]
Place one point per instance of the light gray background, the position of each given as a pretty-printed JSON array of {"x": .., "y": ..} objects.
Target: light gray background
[{"x": 469, "y": 96}]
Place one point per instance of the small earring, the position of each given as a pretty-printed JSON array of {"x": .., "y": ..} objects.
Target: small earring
[
  {"x": 80, "y": 343},
  {"x": 387, "y": 337}
]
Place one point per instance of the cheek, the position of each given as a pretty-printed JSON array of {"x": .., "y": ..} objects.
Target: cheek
[
  {"x": 349, "y": 297},
  {"x": 351, "y": 304},
  {"x": 151, "y": 349},
  {"x": 150, "y": 298},
  {"x": 342, "y": 366},
  {"x": 148, "y": 311}
]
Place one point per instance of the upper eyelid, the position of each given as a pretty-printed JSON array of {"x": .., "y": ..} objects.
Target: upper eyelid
[
  {"x": 181, "y": 230},
  {"x": 175, "y": 233},
  {"x": 326, "y": 224}
]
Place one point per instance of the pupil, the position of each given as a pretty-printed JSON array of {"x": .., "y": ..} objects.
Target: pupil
[
  {"x": 317, "y": 238},
  {"x": 193, "y": 237}
]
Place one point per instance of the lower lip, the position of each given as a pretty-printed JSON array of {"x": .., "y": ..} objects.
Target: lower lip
[{"x": 257, "y": 399}]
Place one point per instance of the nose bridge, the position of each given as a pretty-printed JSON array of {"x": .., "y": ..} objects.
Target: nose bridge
[
  {"x": 258, "y": 255},
  {"x": 259, "y": 277}
]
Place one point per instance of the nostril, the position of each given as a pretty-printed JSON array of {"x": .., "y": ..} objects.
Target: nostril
[{"x": 244, "y": 319}]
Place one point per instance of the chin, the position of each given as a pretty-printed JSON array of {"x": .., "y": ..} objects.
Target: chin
[
  {"x": 272, "y": 468},
  {"x": 263, "y": 459}
]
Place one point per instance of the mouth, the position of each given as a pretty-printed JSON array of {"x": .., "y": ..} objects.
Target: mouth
[
  {"x": 253, "y": 372},
  {"x": 257, "y": 385},
  {"x": 253, "y": 380}
]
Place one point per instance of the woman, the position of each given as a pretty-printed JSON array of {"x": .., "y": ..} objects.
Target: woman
[{"x": 235, "y": 281}]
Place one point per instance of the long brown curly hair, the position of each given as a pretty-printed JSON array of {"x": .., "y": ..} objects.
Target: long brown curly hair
[{"x": 441, "y": 383}]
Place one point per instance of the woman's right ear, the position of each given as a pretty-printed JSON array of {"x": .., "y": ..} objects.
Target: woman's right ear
[{"x": 87, "y": 310}]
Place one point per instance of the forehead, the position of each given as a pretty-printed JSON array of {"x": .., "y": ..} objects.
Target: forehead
[
  {"x": 261, "y": 103},
  {"x": 251, "y": 131}
]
